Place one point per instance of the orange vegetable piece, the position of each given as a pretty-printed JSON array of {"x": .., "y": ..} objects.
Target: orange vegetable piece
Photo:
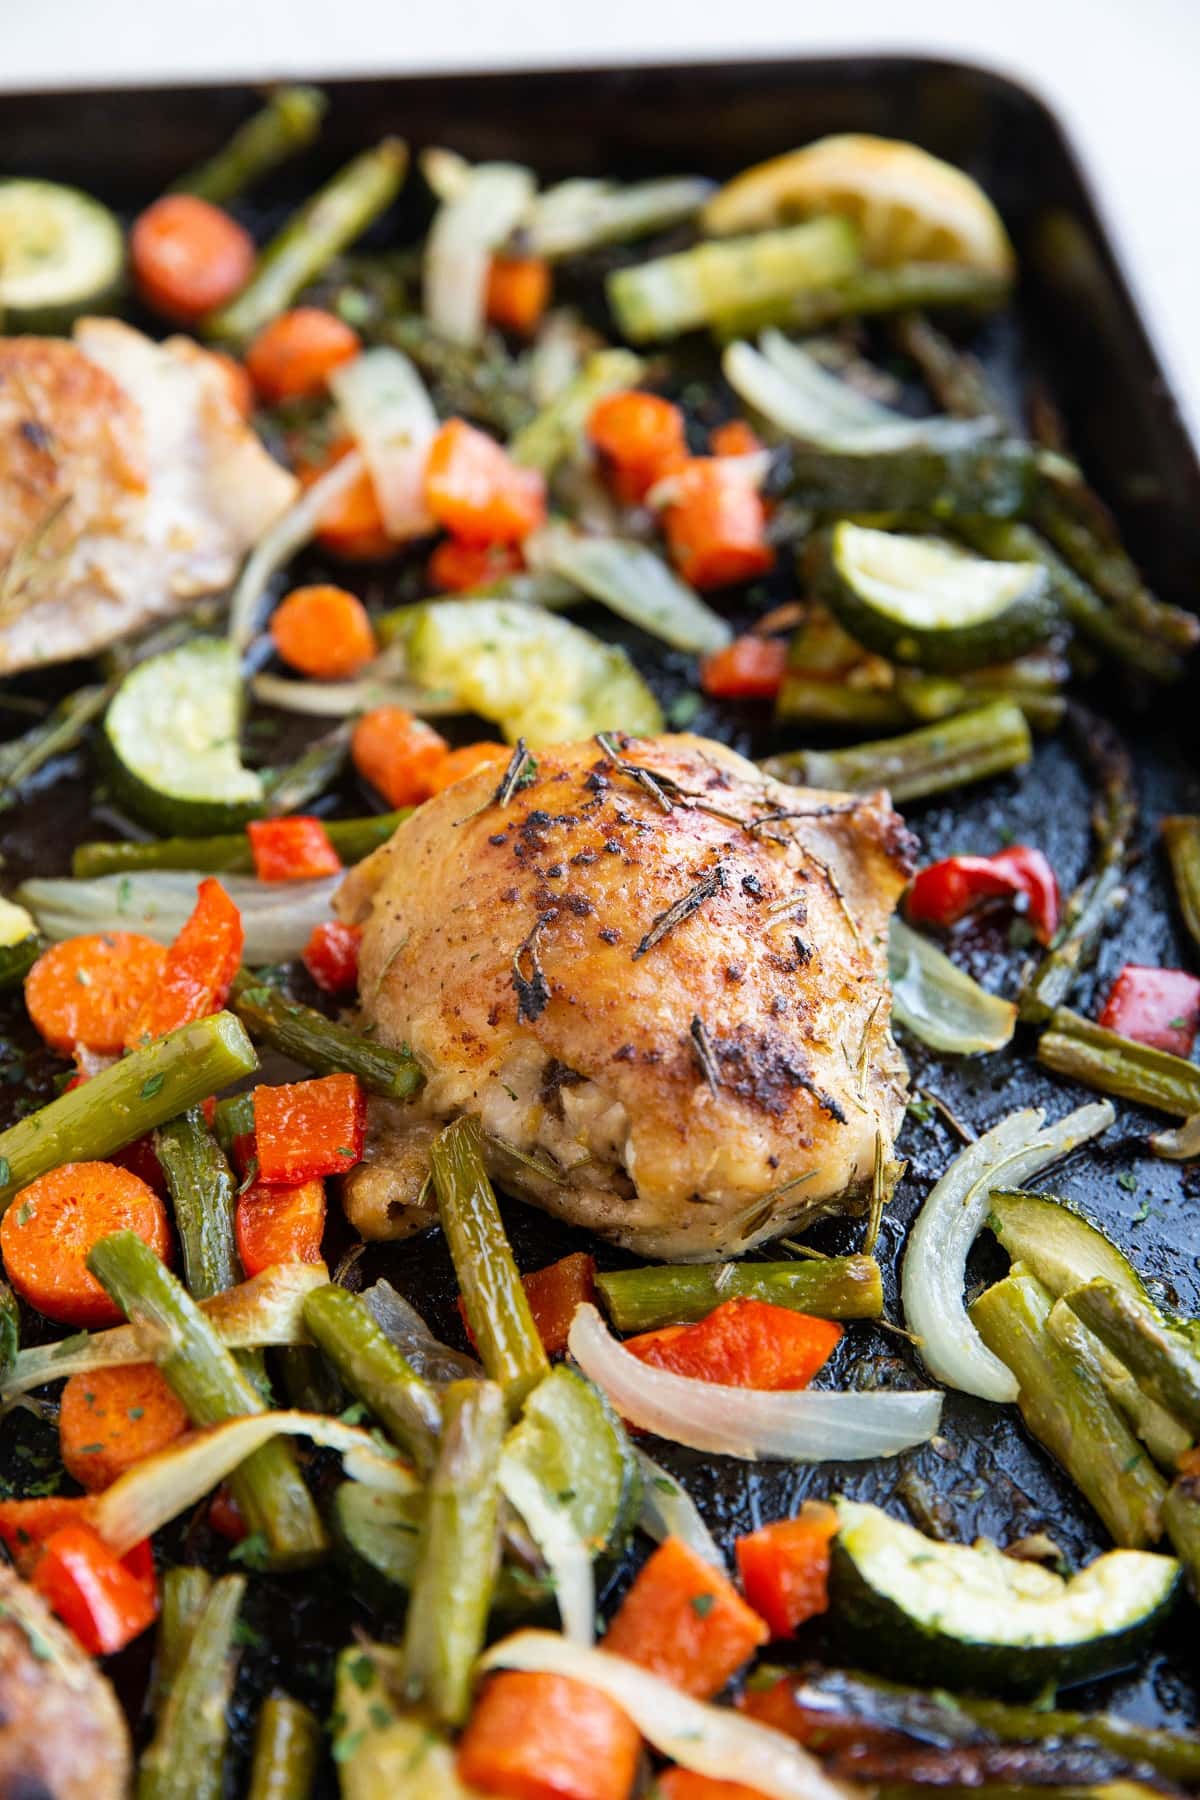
[
  {"x": 474, "y": 489},
  {"x": 331, "y": 956},
  {"x": 743, "y": 1343},
  {"x": 735, "y": 438},
  {"x": 398, "y": 754},
  {"x": 279, "y": 1225},
  {"x": 457, "y": 568},
  {"x": 52, "y": 1225},
  {"x": 199, "y": 968},
  {"x": 686, "y": 1622},
  {"x": 555, "y": 1292},
  {"x": 307, "y": 1129},
  {"x": 456, "y": 765},
  {"x": 716, "y": 524},
  {"x": 90, "y": 989},
  {"x": 1189, "y": 1462},
  {"x": 518, "y": 292},
  {"x": 535, "y": 1736},
  {"x": 237, "y": 383},
  {"x": 26, "y": 1524},
  {"x": 351, "y": 526},
  {"x": 785, "y": 1568},
  {"x": 641, "y": 437},
  {"x": 104, "y": 1602},
  {"x": 189, "y": 257},
  {"x": 292, "y": 849},
  {"x": 294, "y": 356},
  {"x": 685, "y": 1784},
  {"x": 323, "y": 631},
  {"x": 750, "y": 668},
  {"x": 110, "y": 1419}
]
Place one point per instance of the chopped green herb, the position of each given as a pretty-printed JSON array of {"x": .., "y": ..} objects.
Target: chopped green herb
[
  {"x": 702, "y": 1604},
  {"x": 361, "y": 1672},
  {"x": 253, "y": 1549},
  {"x": 152, "y": 1085}
]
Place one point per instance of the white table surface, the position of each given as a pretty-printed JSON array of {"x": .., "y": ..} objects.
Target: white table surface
[{"x": 1122, "y": 75}]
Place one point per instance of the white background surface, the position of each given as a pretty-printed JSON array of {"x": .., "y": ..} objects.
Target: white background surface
[{"x": 1124, "y": 76}]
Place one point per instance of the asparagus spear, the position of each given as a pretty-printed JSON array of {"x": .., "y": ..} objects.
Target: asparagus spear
[
  {"x": 185, "y": 1591},
  {"x": 372, "y": 1367},
  {"x": 456, "y": 1572},
  {"x": 268, "y": 1486},
  {"x": 288, "y": 122},
  {"x": 300, "y": 783},
  {"x": 1163, "y": 1362},
  {"x": 902, "y": 289},
  {"x": 204, "y": 1194},
  {"x": 1181, "y": 834},
  {"x": 1118, "y": 1065},
  {"x": 1164, "y": 1437},
  {"x": 287, "y": 1742},
  {"x": 496, "y": 1304},
  {"x": 838, "y": 1287},
  {"x": 1065, "y": 1407},
  {"x": 806, "y": 699},
  {"x": 971, "y": 746},
  {"x": 142, "y": 1091},
  {"x": 312, "y": 237},
  {"x": 186, "y": 1758},
  {"x": 233, "y": 1119},
  {"x": 1181, "y": 1516},
  {"x": 228, "y": 854},
  {"x": 62, "y": 731},
  {"x": 308, "y": 1037}
]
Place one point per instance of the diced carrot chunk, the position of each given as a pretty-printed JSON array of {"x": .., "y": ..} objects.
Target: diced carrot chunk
[
  {"x": 750, "y": 668},
  {"x": 293, "y": 357},
  {"x": 555, "y": 1292},
  {"x": 110, "y": 1419},
  {"x": 457, "y": 568},
  {"x": 476, "y": 491},
  {"x": 518, "y": 292},
  {"x": 456, "y": 765},
  {"x": 89, "y": 990},
  {"x": 279, "y": 1225},
  {"x": 641, "y": 438},
  {"x": 716, "y": 525},
  {"x": 398, "y": 754},
  {"x": 686, "y": 1784},
  {"x": 323, "y": 631},
  {"x": 535, "y": 1736},
  {"x": 352, "y": 525},
  {"x": 52, "y": 1226},
  {"x": 735, "y": 438},
  {"x": 686, "y": 1622}
]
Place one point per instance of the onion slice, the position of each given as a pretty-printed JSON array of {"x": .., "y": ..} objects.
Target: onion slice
[
  {"x": 634, "y": 583},
  {"x": 668, "y": 1510},
  {"x": 939, "y": 1002},
  {"x": 376, "y": 686},
  {"x": 1178, "y": 1143},
  {"x": 400, "y": 1321},
  {"x": 935, "y": 1262},
  {"x": 548, "y": 1522},
  {"x": 297, "y": 527},
  {"x": 468, "y": 226},
  {"x": 387, "y": 410},
  {"x": 795, "y": 1426},
  {"x": 710, "y": 1740}
]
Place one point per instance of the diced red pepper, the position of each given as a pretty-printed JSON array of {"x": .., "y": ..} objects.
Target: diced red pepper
[
  {"x": 199, "y": 969},
  {"x": 750, "y": 668},
  {"x": 946, "y": 891},
  {"x": 685, "y": 1622},
  {"x": 716, "y": 524},
  {"x": 100, "y": 1598},
  {"x": 785, "y": 1568},
  {"x": 742, "y": 1343},
  {"x": 279, "y": 1224},
  {"x": 26, "y": 1524},
  {"x": 456, "y": 568},
  {"x": 555, "y": 1292},
  {"x": 225, "y": 1516},
  {"x": 331, "y": 956},
  {"x": 305, "y": 1130},
  {"x": 475, "y": 490},
  {"x": 537, "y": 1736},
  {"x": 1160, "y": 1007},
  {"x": 294, "y": 849}
]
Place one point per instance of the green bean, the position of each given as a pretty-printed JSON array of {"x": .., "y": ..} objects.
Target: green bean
[
  {"x": 456, "y": 1571},
  {"x": 869, "y": 291},
  {"x": 287, "y": 1742},
  {"x": 1117, "y": 1065},
  {"x": 295, "y": 787},
  {"x": 308, "y": 1037},
  {"x": 204, "y": 1196},
  {"x": 288, "y": 122},
  {"x": 61, "y": 732},
  {"x": 373, "y": 1368},
  {"x": 1181, "y": 1516},
  {"x": 1066, "y": 1408},
  {"x": 268, "y": 1486},
  {"x": 230, "y": 854},
  {"x": 10, "y": 1331},
  {"x": 323, "y": 227},
  {"x": 1181, "y": 834},
  {"x": 836, "y": 1287},
  {"x": 496, "y": 1304},
  {"x": 142, "y": 1091},
  {"x": 1161, "y": 1360},
  {"x": 185, "y": 1591},
  {"x": 185, "y": 1760},
  {"x": 971, "y": 746}
]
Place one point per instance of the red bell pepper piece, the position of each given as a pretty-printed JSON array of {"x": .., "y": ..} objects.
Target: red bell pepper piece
[
  {"x": 751, "y": 668},
  {"x": 199, "y": 969},
  {"x": 946, "y": 891},
  {"x": 456, "y": 568},
  {"x": 225, "y": 1516},
  {"x": 743, "y": 1343},
  {"x": 293, "y": 849},
  {"x": 104, "y": 1601},
  {"x": 331, "y": 956},
  {"x": 685, "y": 1622},
  {"x": 308, "y": 1129},
  {"x": 1160, "y": 1007},
  {"x": 26, "y": 1524},
  {"x": 279, "y": 1224},
  {"x": 785, "y": 1568},
  {"x": 555, "y": 1292}
]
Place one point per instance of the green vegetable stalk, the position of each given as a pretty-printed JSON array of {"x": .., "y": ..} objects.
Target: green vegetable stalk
[
  {"x": 204, "y": 1197},
  {"x": 1161, "y": 1359},
  {"x": 837, "y": 1287},
  {"x": 62, "y": 731},
  {"x": 288, "y": 122},
  {"x": 1181, "y": 1516},
  {"x": 308, "y": 1037},
  {"x": 287, "y": 1744},
  {"x": 184, "y": 1594},
  {"x": 372, "y": 1367},
  {"x": 559, "y": 428},
  {"x": 1118, "y": 1065},
  {"x": 1181, "y": 834},
  {"x": 869, "y": 292},
  {"x": 186, "y": 1758},
  {"x": 294, "y": 788},
  {"x": 971, "y": 746},
  {"x": 229, "y": 854}
]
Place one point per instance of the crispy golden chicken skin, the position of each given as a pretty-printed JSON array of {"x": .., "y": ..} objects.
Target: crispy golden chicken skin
[
  {"x": 129, "y": 485},
  {"x": 657, "y": 977}
]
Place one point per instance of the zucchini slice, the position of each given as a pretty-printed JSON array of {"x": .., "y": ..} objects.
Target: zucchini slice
[
  {"x": 61, "y": 254},
  {"x": 919, "y": 600},
  {"x": 575, "y": 1446},
  {"x": 19, "y": 943},
  {"x": 1058, "y": 1244},
  {"x": 171, "y": 735},
  {"x": 380, "y": 1536},
  {"x": 968, "y": 1616}
]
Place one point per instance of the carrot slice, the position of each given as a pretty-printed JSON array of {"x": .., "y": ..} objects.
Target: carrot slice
[
  {"x": 518, "y": 292},
  {"x": 308, "y": 1129},
  {"x": 199, "y": 968},
  {"x": 331, "y": 956},
  {"x": 743, "y": 1343},
  {"x": 110, "y": 1419},
  {"x": 456, "y": 765},
  {"x": 785, "y": 1568},
  {"x": 189, "y": 257},
  {"x": 456, "y": 568},
  {"x": 294, "y": 356},
  {"x": 686, "y": 1784},
  {"x": 279, "y": 1225},
  {"x": 684, "y": 1621},
  {"x": 93, "y": 1592},
  {"x": 26, "y": 1524},
  {"x": 293, "y": 849},
  {"x": 352, "y": 526},
  {"x": 534, "y": 1736},
  {"x": 89, "y": 990},
  {"x": 716, "y": 524},
  {"x": 735, "y": 438},
  {"x": 475, "y": 490},
  {"x": 641, "y": 437},
  {"x": 750, "y": 668},
  {"x": 52, "y": 1225},
  {"x": 323, "y": 631},
  {"x": 398, "y": 754}
]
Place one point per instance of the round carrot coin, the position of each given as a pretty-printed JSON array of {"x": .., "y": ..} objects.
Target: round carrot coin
[
  {"x": 294, "y": 356},
  {"x": 189, "y": 257},
  {"x": 52, "y": 1225},
  {"x": 90, "y": 989},
  {"x": 110, "y": 1419},
  {"x": 323, "y": 631}
]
